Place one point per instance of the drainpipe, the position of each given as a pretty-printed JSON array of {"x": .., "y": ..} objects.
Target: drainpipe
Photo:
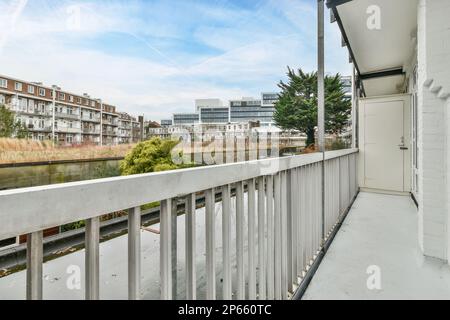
[
  {"x": 321, "y": 98},
  {"x": 354, "y": 110},
  {"x": 101, "y": 122},
  {"x": 53, "y": 114}
]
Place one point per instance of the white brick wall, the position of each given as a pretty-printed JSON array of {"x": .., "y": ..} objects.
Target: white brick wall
[{"x": 434, "y": 152}]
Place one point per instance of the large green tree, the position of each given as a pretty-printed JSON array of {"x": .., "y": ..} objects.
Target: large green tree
[
  {"x": 297, "y": 105},
  {"x": 10, "y": 127}
]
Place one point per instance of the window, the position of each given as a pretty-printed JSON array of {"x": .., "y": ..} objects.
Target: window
[
  {"x": 92, "y": 103},
  {"x": 62, "y": 96},
  {"x": 18, "y": 86},
  {"x": 42, "y": 92},
  {"x": 31, "y": 89},
  {"x": 69, "y": 138},
  {"x": 71, "y": 98},
  {"x": 79, "y": 100},
  {"x": 3, "y": 83}
]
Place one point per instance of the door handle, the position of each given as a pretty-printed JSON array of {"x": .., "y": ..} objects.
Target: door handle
[{"x": 402, "y": 147}]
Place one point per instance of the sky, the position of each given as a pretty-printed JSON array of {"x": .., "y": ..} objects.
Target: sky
[{"x": 155, "y": 57}]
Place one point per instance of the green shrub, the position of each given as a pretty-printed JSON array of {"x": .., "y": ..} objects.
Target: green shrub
[{"x": 149, "y": 156}]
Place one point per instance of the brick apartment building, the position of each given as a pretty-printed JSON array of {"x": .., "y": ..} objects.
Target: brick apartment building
[{"x": 76, "y": 119}]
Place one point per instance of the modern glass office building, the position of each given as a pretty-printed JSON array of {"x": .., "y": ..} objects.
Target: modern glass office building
[
  {"x": 214, "y": 115},
  {"x": 166, "y": 123},
  {"x": 249, "y": 109},
  {"x": 186, "y": 118}
]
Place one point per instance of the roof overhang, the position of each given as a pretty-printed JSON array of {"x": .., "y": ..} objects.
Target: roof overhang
[{"x": 380, "y": 52}]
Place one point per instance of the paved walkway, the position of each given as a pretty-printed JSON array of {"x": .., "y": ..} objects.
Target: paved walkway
[{"x": 380, "y": 231}]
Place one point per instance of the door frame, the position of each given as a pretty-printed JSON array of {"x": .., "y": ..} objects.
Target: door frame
[{"x": 407, "y": 166}]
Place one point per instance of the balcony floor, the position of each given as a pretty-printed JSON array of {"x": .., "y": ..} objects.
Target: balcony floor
[{"x": 379, "y": 230}]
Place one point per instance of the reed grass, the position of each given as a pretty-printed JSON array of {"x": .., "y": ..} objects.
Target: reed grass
[{"x": 24, "y": 150}]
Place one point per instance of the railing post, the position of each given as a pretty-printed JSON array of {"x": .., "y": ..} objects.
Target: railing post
[
  {"x": 251, "y": 240},
  {"x": 270, "y": 238},
  {"x": 226, "y": 241},
  {"x": 277, "y": 228},
  {"x": 92, "y": 258},
  {"x": 301, "y": 223},
  {"x": 240, "y": 240},
  {"x": 34, "y": 265},
  {"x": 261, "y": 238},
  {"x": 134, "y": 253},
  {"x": 210, "y": 244},
  {"x": 191, "y": 286},
  {"x": 293, "y": 229},
  {"x": 165, "y": 249},
  {"x": 173, "y": 243},
  {"x": 284, "y": 235}
]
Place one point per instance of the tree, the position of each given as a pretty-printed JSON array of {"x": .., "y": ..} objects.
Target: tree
[
  {"x": 297, "y": 105},
  {"x": 9, "y": 126},
  {"x": 149, "y": 156}
]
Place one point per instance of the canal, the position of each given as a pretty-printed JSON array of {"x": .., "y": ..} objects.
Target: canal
[{"x": 38, "y": 174}]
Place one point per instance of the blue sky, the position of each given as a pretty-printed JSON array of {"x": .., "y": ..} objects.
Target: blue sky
[{"x": 155, "y": 57}]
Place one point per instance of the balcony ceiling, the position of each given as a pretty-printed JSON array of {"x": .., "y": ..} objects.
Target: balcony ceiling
[{"x": 389, "y": 48}]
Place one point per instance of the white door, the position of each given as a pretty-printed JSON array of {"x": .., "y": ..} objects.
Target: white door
[{"x": 385, "y": 144}]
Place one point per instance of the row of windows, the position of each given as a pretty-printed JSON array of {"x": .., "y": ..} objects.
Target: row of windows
[
  {"x": 250, "y": 109},
  {"x": 245, "y": 103},
  {"x": 18, "y": 86}
]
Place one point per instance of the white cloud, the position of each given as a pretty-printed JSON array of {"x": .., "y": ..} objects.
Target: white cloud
[{"x": 254, "y": 52}]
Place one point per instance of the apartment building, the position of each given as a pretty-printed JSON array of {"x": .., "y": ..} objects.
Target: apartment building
[{"x": 50, "y": 113}]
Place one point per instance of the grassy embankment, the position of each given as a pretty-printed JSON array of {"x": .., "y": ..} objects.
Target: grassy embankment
[{"x": 23, "y": 150}]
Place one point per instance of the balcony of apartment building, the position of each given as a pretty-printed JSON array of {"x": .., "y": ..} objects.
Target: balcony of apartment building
[
  {"x": 39, "y": 127},
  {"x": 327, "y": 225},
  {"x": 91, "y": 130},
  {"x": 90, "y": 117},
  {"x": 109, "y": 131},
  {"x": 68, "y": 115},
  {"x": 110, "y": 121},
  {"x": 67, "y": 128}
]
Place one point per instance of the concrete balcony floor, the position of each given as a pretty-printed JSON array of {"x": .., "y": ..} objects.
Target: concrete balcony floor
[{"x": 380, "y": 230}]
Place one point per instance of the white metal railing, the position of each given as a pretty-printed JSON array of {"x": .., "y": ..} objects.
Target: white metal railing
[{"x": 281, "y": 222}]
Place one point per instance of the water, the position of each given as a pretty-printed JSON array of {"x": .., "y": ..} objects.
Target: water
[{"x": 38, "y": 175}]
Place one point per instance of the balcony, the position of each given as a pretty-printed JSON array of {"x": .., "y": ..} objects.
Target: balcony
[
  {"x": 88, "y": 119},
  {"x": 382, "y": 231},
  {"x": 35, "y": 112},
  {"x": 67, "y": 130},
  {"x": 91, "y": 131},
  {"x": 276, "y": 204},
  {"x": 110, "y": 122},
  {"x": 109, "y": 133},
  {"x": 72, "y": 116},
  {"x": 34, "y": 128}
]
